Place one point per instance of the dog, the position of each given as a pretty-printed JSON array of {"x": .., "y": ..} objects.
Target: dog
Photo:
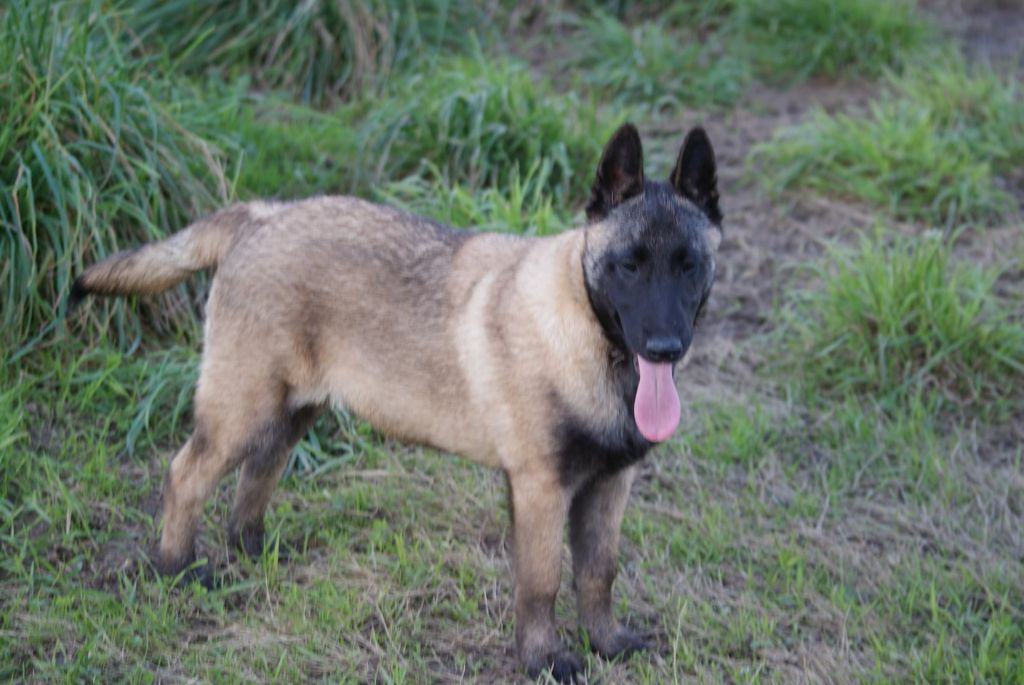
[{"x": 551, "y": 358}]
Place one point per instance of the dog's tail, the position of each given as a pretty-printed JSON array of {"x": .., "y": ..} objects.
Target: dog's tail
[{"x": 156, "y": 267}]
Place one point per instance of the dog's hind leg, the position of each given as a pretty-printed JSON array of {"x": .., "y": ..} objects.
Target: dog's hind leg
[
  {"x": 232, "y": 412},
  {"x": 262, "y": 466},
  {"x": 595, "y": 519}
]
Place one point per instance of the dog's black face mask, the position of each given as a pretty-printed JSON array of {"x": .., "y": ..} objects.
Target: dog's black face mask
[{"x": 650, "y": 266}]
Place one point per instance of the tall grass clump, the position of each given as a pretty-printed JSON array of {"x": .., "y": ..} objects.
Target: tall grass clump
[
  {"x": 896, "y": 316},
  {"x": 801, "y": 38},
  {"x": 313, "y": 49},
  {"x": 522, "y": 206},
  {"x": 96, "y": 153},
  {"x": 895, "y": 158},
  {"x": 972, "y": 103},
  {"x": 932, "y": 150},
  {"x": 290, "y": 150},
  {"x": 649, "y": 64},
  {"x": 481, "y": 122}
]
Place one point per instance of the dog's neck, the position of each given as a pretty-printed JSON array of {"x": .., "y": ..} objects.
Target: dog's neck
[{"x": 552, "y": 278}]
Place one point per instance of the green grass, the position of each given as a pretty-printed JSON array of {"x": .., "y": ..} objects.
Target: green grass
[
  {"x": 522, "y": 207},
  {"x": 933, "y": 151},
  {"x": 316, "y": 51},
  {"x": 980, "y": 106},
  {"x": 97, "y": 151},
  {"x": 733, "y": 553},
  {"x": 481, "y": 121},
  {"x": 660, "y": 56},
  {"x": 897, "y": 316},
  {"x": 651, "y": 65},
  {"x": 801, "y": 38},
  {"x": 290, "y": 151},
  {"x": 704, "y": 51},
  {"x": 896, "y": 158}
]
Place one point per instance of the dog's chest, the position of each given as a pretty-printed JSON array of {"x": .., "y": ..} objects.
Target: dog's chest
[{"x": 587, "y": 449}]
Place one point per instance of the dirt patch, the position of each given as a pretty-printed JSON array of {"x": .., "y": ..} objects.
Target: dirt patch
[{"x": 988, "y": 30}]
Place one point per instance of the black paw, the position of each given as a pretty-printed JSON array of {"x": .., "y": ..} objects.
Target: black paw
[
  {"x": 563, "y": 665},
  {"x": 247, "y": 538},
  {"x": 186, "y": 570},
  {"x": 201, "y": 572},
  {"x": 621, "y": 645},
  {"x": 251, "y": 540}
]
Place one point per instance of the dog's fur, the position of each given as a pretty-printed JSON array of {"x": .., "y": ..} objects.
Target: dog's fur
[{"x": 515, "y": 352}]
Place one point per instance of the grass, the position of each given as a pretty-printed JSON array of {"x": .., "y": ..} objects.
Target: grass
[
  {"x": 522, "y": 207},
  {"x": 937, "y": 150},
  {"x": 661, "y": 56},
  {"x": 399, "y": 561},
  {"x": 703, "y": 52},
  {"x": 98, "y": 152},
  {"x": 981, "y": 106},
  {"x": 801, "y": 38},
  {"x": 843, "y": 502},
  {"x": 650, "y": 64},
  {"x": 291, "y": 151},
  {"x": 481, "y": 121},
  {"x": 896, "y": 158},
  {"x": 316, "y": 51},
  {"x": 897, "y": 316}
]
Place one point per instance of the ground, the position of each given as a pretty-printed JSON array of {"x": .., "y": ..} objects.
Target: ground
[{"x": 804, "y": 525}]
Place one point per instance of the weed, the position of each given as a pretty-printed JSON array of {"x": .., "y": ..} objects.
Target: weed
[
  {"x": 481, "y": 121},
  {"x": 92, "y": 157},
  {"x": 897, "y": 316},
  {"x": 929, "y": 152},
  {"x": 972, "y": 103},
  {"x": 314, "y": 50},
  {"x": 291, "y": 151},
  {"x": 896, "y": 158},
  {"x": 649, "y": 64},
  {"x": 800, "y": 38},
  {"x": 524, "y": 208}
]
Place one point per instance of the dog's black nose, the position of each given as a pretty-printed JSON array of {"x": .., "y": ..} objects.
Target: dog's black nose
[{"x": 663, "y": 349}]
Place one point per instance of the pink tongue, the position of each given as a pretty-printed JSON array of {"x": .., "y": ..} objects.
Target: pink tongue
[{"x": 657, "y": 402}]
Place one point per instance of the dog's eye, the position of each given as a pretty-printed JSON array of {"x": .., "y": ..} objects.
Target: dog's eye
[
  {"x": 629, "y": 267},
  {"x": 682, "y": 263}
]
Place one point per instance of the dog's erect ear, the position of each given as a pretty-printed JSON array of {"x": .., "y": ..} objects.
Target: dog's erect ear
[
  {"x": 695, "y": 177},
  {"x": 620, "y": 174}
]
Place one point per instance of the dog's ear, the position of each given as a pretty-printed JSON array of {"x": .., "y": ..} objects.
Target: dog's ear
[
  {"x": 695, "y": 176},
  {"x": 620, "y": 174}
]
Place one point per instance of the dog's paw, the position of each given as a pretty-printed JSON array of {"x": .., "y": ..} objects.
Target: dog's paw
[
  {"x": 622, "y": 644},
  {"x": 564, "y": 666},
  {"x": 185, "y": 569},
  {"x": 203, "y": 574},
  {"x": 247, "y": 538},
  {"x": 198, "y": 572}
]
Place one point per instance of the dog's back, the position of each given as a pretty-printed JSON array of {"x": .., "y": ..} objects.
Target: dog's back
[
  {"x": 417, "y": 327},
  {"x": 350, "y": 301}
]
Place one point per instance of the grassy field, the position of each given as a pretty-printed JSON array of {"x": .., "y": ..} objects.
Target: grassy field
[{"x": 844, "y": 502}]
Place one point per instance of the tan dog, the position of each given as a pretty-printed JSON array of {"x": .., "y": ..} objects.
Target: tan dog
[{"x": 549, "y": 358}]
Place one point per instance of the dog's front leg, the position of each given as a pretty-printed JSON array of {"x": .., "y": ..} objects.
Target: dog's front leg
[
  {"x": 595, "y": 520},
  {"x": 540, "y": 506}
]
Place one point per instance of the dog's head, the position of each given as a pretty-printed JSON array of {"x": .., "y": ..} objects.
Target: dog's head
[{"x": 650, "y": 262}]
